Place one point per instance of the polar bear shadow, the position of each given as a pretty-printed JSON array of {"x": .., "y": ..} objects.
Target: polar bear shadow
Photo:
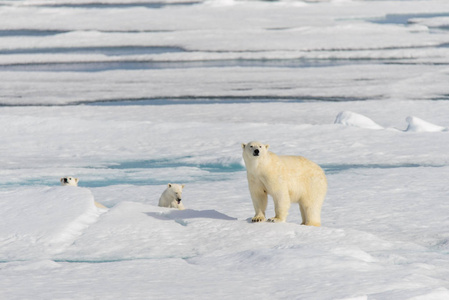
[{"x": 176, "y": 215}]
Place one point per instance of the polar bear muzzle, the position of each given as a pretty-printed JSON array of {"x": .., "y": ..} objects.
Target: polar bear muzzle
[{"x": 256, "y": 152}]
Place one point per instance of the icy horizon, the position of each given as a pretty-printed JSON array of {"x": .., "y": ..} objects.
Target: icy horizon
[{"x": 69, "y": 53}]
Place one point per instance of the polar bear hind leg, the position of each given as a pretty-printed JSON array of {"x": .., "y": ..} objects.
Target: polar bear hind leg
[
  {"x": 311, "y": 207},
  {"x": 311, "y": 216}
]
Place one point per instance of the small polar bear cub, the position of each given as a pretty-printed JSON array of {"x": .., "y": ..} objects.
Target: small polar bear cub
[
  {"x": 172, "y": 196},
  {"x": 72, "y": 181},
  {"x": 287, "y": 179}
]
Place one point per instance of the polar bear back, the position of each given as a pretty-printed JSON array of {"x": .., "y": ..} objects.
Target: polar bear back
[{"x": 304, "y": 177}]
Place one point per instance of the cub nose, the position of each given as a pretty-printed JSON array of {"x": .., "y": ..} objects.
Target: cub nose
[
  {"x": 65, "y": 180},
  {"x": 256, "y": 152}
]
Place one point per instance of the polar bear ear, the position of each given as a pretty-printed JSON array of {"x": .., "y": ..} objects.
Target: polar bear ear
[
  {"x": 169, "y": 185},
  {"x": 183, "y": 185},
  {"x": 243, "y": 146},
  {"x": 62, "y": 179},
  {"x": 266, "y": 146},
  {"x": 76, "y": 180}
]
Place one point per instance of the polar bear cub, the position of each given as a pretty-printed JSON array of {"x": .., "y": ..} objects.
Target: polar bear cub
[
  {"x": 287, "y": 179},
  {"x": 72, "y": 181},
  {"x": 172, "y": 196}
]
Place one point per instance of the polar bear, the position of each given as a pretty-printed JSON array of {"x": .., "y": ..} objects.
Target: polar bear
[
  {"x": 72, "y": 181},
  {"x": 172, "y": 196},
  {"x": 287, "y": 179}
]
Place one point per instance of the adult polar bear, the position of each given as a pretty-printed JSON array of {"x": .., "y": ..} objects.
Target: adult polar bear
[{"x": 288, "y": 179}]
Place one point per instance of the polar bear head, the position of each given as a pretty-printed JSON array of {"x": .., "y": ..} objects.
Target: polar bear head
[
  {"x": 175, "y": 191},
  {"x": 72, "y": 181},
  {"x": 254, "y": 150}
]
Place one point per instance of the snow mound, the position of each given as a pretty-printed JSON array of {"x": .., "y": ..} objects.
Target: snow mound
[
  {"x": 418, "y": 125},
  {"x": 349, "y": 118},
  {"x": 40, "y": 221}
]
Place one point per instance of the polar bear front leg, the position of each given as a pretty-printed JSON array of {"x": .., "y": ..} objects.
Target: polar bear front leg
[
  {"x": 281, "y": 207},
  {"x": 260, "y": 200}
]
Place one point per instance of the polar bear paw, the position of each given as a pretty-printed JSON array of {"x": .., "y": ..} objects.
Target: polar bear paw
[{"x": 257, "y": 219}]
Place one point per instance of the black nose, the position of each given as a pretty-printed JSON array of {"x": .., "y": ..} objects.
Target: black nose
[
  {"x": 256, "y": 152},
  {"x": 179, "y": 200},
  {"x": 65, "y": 179}
]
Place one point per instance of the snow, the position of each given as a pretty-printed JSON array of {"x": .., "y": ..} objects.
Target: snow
[
  {"x": 128, "y": 96},
  {"x": 50, "y": 219},
  {"x": 417, "y": 125},
  {"x": 349, "y": 118}
]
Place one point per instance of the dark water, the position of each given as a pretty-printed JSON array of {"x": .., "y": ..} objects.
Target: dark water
[
  {"x": 218, "y": 100},
  {"x": 30, "y": 32},
  {"x": 100, "y": 66},
  {"x": 109, "y": 51},
  {"x": 151, "y": 5}
]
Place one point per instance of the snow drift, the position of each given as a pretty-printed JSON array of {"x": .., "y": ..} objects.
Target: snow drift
[
  {"x": 349, "y": 118},
  {"x": 46, "y": 220},
  {"x": 418, "y": 125}
]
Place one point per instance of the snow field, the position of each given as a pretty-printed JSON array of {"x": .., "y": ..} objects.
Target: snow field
[
  {"x": 212, "y": 248},
  {"x": 379, "y": 217}
]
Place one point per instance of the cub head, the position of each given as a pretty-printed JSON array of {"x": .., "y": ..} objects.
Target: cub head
[
  {"x": 176, "y": 191},
  {"x": 72, "y": 181},
  {"x": 254, "y": 150}
]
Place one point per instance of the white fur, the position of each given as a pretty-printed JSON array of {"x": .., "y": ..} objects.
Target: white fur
[
  {"x": 288, "y": 179},
  {"x": 172, "y": 196},
  {"x": 72, "y": 181}
]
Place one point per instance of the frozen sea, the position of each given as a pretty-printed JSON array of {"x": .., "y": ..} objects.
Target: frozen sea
[{"x": 129, "y": 95}]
